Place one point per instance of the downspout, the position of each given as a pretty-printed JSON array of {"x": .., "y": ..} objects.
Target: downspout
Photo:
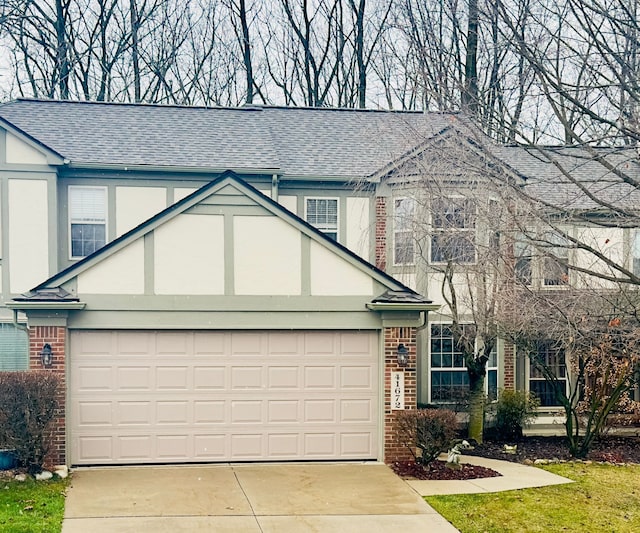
[
  {"x": 17, "y": 324},
  {"x": 274, "y": 187}
]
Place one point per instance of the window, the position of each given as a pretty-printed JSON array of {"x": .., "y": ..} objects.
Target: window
[
  {"x": 449, "y": 378},
  {"x": 635, "y": 252},
  {"x": 492, "y": 376},
  {"x": 14, "y": 348},
  {"x": 454, "y": 227},
  {"x": 549, "y": 355},
  {"x": 555, "y": 263},
  {"x": 403, "y": 244},
  {"x": 87, "y": 220},
  {"x": 523, "y": 261},
  {"x": 322, "y": 213}
]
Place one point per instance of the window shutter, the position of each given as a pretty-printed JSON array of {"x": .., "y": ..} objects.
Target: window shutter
[
  {"x": 87, "y": 204},
  {"x": 14, "y": 348}
]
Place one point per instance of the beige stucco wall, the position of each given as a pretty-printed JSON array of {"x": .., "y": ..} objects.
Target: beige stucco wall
[
  {"x": 28, "y": 234},
  {"x": 278, "y": 247},
  {"x": 121, "y": 273},
  {"x": 189, "y": 255},
  {"x": 136, "y": 204},
  {"x": 333, "y": 276},
  {"x": 19, "y": 152},
  {"x": 358, "y": 226}
]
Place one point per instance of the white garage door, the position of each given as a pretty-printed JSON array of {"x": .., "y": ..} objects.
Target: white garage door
[{"x": 176, "y": 396}]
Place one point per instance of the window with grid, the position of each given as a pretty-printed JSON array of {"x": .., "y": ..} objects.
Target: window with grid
[
  {"x": 453, "y": 222},
  {"x": 87, "y": 220},
  {"x": 555, "y": 269},
  {"x": 551, "y": 356},
  {"x": 523, "y": 261},
  {"x": 322, "y": 213},
  {"x": 449, "y": 378},
  {"x": 403, "y": 243}
]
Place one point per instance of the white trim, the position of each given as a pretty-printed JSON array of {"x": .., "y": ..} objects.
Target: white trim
[{"x": 324, "y": 229}]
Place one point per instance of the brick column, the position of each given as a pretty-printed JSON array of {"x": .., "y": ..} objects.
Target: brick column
[
  {"x": 55, "y": 336},
  {"x": 509, "y": 366},
  {"x": 381, "y": 233},
  {"x": 394, "y": 450}
]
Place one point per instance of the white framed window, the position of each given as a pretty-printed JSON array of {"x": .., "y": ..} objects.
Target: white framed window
[
  {"x": 87, "y": 220},
  {"x": 453, "y": 224},
  {"x": 322, "y": 213},
  {"x": 449, "y": 378},
  {"x": 403, "y": 238},
  {"x": 635, "y": 252},
  {"x": 550, "y": 356},
  {"x": 523, "y": 257},
  {"x": 555, "y": 269}
]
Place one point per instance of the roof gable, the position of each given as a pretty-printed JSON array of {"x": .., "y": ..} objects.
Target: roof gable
[{"x": 226, "y": 239}]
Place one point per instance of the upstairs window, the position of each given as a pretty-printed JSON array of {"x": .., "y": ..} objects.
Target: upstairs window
[
  {"x": 555, "y": 269},
  {"x": 403, "y": 243},
  {"x": 635, "y": 253},
  {"x": 523, "y": 261},
  {"x": 87, "y": 220},
  {"x": 453, "y": 222},
  {"x": 322, "y": 213}
]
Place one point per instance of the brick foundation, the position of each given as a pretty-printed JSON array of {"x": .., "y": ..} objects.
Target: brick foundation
[
  {"x": 394, "y": 450},
  {"x": 55, "y": 336}
]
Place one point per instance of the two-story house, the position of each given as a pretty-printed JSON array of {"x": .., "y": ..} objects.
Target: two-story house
[{"x": 215, "y": 284}]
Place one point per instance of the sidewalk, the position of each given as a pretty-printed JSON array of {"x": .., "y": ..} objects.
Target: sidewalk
[{"x": 514, "y": 476}]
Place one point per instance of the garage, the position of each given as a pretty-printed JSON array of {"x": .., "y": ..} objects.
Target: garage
[
  {"x": 196, "y": 396},
  {"x": 223, "y": 329}
]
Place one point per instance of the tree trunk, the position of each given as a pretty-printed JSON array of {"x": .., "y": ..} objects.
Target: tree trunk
[
  {"x": 246, "y": 51},
  {"x": 476, "y": 400},
  {"x": 470, "y": 92}
]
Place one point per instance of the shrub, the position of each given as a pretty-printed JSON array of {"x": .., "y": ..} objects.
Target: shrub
[
  {"x": 429, "y": 430},
  {"x": 514, "y": 410},
  {"x": 28, "y": 407}
]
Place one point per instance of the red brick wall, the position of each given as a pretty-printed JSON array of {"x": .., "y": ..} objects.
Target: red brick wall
[
  {"x": 381, "y": 233},
  {"x": 56, "y": 337},
  {"x": 394, "y": 450},
  {"x": 509, "y": 366}
]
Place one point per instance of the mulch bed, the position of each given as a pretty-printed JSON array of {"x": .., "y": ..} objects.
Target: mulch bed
[
  {"x": 618, "y": 450},
  {"x": 438, "y": 470}
]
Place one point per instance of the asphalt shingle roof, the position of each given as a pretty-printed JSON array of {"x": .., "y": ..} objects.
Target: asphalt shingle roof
[{"x": 313, "y": 142}]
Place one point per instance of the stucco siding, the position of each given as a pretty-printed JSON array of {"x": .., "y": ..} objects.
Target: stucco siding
[
  {"x": 136, "y": 204},
  {"x": 121, "y": 273},
  {"x": 28, "y": 234},
  {"x": 607, "y": 241},
  {"x": 289, "y": 202},
  {"x": 21, "y": 153},
  {"x": 358, "y": 226},
  {"x": 189, "y": 255},
  {"x": 333, "y": 276},
  {"x": 182, "y": 192},
  {"x": 267, "y": 256}
]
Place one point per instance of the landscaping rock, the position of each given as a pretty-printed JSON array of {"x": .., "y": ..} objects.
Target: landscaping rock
[
  {"x": 44, "y": 475},
  {"x": 20, "y": 477},
  {"x": 61, "y": 471}
]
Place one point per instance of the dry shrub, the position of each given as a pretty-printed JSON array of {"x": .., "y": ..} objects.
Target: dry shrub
[
  {"x": 432, "y": 431},
  {"x": 28, "y": 406}
]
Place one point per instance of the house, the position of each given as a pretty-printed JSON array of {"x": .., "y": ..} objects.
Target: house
[{"x": 216, "y": 284}]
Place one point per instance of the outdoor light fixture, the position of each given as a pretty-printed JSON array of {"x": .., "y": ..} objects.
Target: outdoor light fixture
[
  {"x": 45, "y": 355},
  {"x": 403, "y": 355}
]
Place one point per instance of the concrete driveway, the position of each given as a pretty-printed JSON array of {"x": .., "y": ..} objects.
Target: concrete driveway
[{"x": 253, "y": 498}]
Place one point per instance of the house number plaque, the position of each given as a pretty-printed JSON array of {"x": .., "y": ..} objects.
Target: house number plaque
[{"x": 397, "y": 391}]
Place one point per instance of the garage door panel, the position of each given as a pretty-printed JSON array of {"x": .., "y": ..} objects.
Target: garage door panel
[{"x": 229, "y": 397}]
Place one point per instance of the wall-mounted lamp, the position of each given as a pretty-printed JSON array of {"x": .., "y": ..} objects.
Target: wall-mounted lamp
[
  {"x": 403, "y": 355},
  {"x": 46, "y": 355}
]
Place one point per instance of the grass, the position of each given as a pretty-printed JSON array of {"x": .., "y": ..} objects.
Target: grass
[
  {"x": 604, "y": 498},
  {"x": 31, "y": 506}
]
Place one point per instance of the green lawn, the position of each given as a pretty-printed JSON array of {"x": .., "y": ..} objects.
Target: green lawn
[
  {"x": 604, "y": 499},
  {"x": 31, "y": 506}
]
